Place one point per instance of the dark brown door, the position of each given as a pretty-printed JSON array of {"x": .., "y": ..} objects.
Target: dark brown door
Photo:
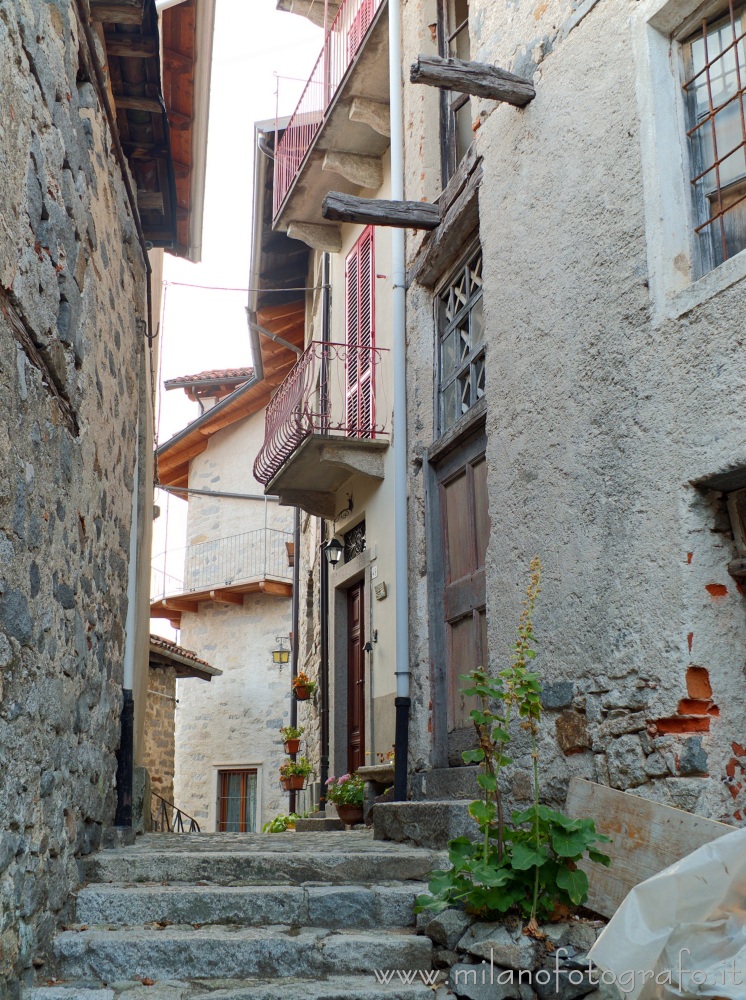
[
  {"x": 355, "y": 677},
  {"x": 465, "y": 529}
]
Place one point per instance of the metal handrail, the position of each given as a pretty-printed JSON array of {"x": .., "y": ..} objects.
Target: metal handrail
[
  {"x": 315, "y": 398},
  {"x": 162, "y": 823},
  {"x": 222, "y": 562},
  {"x": 341, "y": 44}
]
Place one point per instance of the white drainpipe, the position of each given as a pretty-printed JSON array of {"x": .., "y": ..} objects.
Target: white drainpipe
[{"x": 401, "y": 581}]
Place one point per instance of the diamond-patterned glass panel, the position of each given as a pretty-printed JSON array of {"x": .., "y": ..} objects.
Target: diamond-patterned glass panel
[{"x": 461, "y": 332}]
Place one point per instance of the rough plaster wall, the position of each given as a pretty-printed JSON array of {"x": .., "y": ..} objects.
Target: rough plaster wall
[
  {"x": 227, "y": 466},
  {"x": 236, "y": 718},
  {"x": 71, "y": 270},
  {"x": 159, "y": 741},
  {"x": 602, "y": 422}
]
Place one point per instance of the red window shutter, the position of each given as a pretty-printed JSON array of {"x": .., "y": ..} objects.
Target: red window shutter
[{"x": 360, "y": 336}]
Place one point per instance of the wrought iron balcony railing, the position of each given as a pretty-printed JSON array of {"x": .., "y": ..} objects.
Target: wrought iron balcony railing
[
  {"x": 223, "y": 562},
  {"x": 331, "y": 391},
  {"x": 342, "y": 43}
]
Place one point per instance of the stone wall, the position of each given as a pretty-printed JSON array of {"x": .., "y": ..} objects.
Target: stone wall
[
  {"x": 600, "y": 415},
  {"x": 159, "y": 745},
  {"x": 71, "y": 355},
  {"x": 234, "y": 721}
]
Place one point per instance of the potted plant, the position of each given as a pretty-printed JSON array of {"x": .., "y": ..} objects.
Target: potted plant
[
  {"x": 291, "y": 737},
  {"x": 294, "y": 774},
  {"x": 280, "y": 823},
  {"x": 303, "y": 686},
  {"x": 347, "y": 794}
]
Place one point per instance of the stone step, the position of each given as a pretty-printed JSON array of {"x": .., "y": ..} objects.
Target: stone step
[
  {"x": 258, "y": 867},
  {"x": 342, "y": 906},
  {"x": 427, "y": 824},
  {"x": 220, "y": 952},
  {"x": 445, "y": 784},
  {"x": 334, "y": 988}
]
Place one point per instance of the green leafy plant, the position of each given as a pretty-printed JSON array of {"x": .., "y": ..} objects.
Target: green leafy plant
[
  {"x": 349, "y": 790},
  {"x": 291, "y": 733},
  {"x": 302, "y": 767},
  {"x": 529, "y": 864},
  {"x": 280, "y": 823}
]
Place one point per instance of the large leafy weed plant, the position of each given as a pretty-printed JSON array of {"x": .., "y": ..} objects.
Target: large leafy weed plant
[{"x": 529, "y": 863}]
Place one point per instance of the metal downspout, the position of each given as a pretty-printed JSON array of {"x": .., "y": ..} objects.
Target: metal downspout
[
  {"x": 296, "y": 630},
  {"x": 125, "y": 754},
  {"x": 324, "y": 577},
  {"x": 401, "y": 590}
]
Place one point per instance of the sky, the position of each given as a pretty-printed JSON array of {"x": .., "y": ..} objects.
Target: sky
[{"x": 202, "y": 329}]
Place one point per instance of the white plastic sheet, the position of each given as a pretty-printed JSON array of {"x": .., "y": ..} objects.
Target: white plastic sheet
[{"x": 683, "y": 931}]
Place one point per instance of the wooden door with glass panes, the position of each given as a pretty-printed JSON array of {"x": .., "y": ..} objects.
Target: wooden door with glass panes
[{"x": 465, "y": 530}]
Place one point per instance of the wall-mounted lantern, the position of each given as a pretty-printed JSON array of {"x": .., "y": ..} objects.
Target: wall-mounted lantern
[
  {"x": 281, "y": 655},
  {"x": 333, "y": 551}
]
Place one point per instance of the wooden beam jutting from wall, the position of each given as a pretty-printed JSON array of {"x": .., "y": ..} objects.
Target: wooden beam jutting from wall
[
  {"x": 477, "y": 79},
  {"x": 117, "y": 11},
  {"x": 378, "y": 212}
]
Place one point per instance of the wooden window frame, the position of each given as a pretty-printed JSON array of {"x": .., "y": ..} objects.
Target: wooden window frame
[
  {"x": 444, "y": 327},
  {"x": 710, "y": 195},
  {"x": 222, "y": 803},
  {"x": 451, "y": 102}
]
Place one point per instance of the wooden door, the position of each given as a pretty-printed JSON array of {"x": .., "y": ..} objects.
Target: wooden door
[
  {"x": 355, "y": 677},
  {"x": 464, "y": 528}
]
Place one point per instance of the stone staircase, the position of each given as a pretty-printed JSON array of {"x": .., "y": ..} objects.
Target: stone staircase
[
  {"x": 246, "y": 917},
  {"x": 437, "y": 812}
]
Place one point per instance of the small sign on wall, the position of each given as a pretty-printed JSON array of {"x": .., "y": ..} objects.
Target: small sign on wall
[{"x": 380, "y": 591}]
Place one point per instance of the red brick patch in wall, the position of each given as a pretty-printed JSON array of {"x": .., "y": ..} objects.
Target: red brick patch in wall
[
  {"x": 698, "y": 683},
  {"x": 717, "y": 590},
  {"x": 694, "y": 713},
  {"x": 681, "y": 724}
]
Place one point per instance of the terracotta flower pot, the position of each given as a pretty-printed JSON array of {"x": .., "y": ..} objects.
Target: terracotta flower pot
[
  {"x": 350, "y": 814},
  {"x": 292, "y": 746},
  {"x": 302, "y": 693},
  {"x": 293, "y": 783}
]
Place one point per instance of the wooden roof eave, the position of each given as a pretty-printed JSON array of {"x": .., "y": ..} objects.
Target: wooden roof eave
[{"x": 130, "y": 36}]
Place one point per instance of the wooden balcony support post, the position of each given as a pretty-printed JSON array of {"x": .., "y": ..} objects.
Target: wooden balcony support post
[{"x": 477, "y": 79}]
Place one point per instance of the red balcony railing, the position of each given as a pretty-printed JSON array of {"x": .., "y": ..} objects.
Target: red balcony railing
[
  {"x": 331, "y": 390},
  {"x": 342, "y": 42}
]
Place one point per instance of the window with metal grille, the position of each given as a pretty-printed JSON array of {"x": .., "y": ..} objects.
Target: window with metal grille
[
  {"x": 461, "y": 342},
  {"x": 455, "y": 108},
  {"x": 354, "y": 541},
  {"x": 237, "y": 801},
  {"x": 716, "y": 78},
  {"x": 360, "y": 337}
]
